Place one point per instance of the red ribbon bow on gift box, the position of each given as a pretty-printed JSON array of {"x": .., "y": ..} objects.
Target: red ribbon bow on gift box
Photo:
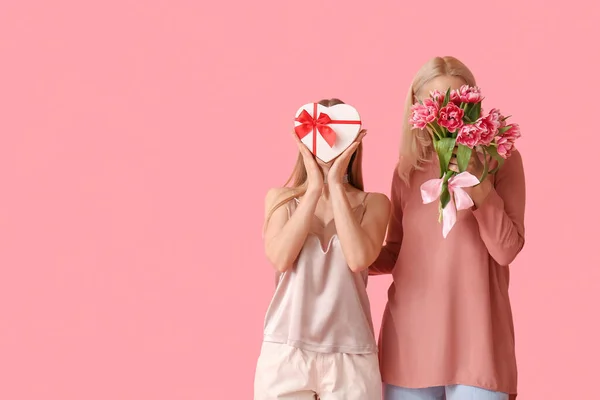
[{"x": 312, "y": 123}]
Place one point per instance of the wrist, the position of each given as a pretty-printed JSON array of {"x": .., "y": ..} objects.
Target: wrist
[
  {"x": 313, "y": 192},
  {"x": 333, "y": 180},
  {"x": 336, "y": 188},
  {"x": 480, "y": 192}
]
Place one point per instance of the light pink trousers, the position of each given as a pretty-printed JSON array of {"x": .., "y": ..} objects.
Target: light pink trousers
[{"x": 286, "y": 372}]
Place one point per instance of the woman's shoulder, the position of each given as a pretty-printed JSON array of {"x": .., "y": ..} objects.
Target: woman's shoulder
[
  {"x": 515, "y": 156},
  {"x": 376, "y": 199},
  {"x": 401, "y": 178},
  {"x": 512, "y": 165},
  {"x": 278, "y": 194},
  {"x": 376, "y": 196},
  {"x": 377, "y": 207}
]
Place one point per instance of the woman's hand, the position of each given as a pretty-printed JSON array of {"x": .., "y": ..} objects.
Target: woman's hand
[
  {"x": 313, "y": 171},
  {"x": 340, "y": 165},
  {"x": 475, "y": 167}
]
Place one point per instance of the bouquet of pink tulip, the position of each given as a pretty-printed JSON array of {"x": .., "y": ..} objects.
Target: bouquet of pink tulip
[{"x": 457, "y": 124}]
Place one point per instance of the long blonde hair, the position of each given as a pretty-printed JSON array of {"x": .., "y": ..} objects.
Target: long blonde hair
[
  {"x": 416, "y": 147},
  {"x": 297, "y": 182}
]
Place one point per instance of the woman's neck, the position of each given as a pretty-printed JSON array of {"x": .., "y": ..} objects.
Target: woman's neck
[
  {"x": 327, "y": 189},
  {"x": 324, "y": 171}
]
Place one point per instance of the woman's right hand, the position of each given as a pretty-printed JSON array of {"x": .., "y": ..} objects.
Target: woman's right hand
[{"x": 313, "y": 171}]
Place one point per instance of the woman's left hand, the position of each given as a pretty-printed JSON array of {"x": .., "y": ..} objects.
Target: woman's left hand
[
  {"x": 475, "y": 167},
  {"x": 340, "y": 165}
]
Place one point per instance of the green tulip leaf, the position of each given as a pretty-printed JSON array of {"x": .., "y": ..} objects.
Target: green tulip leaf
[
  {"x": 444, "y": 148},
  {"x": 463, "y": 156},
  {"x": 493, "y": 151}
]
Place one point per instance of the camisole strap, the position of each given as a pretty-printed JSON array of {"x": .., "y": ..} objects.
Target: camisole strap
[
  {"x": 291, "y": 206},
  {"x": 363, "y": 206},
  {"x": 364, "y": 201}
]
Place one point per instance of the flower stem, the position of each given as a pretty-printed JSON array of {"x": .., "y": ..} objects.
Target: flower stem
[{"x": 435, "y": 131}]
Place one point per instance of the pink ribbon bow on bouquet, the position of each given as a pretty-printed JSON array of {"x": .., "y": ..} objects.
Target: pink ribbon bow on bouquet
[{"x": 459, "y": 199}]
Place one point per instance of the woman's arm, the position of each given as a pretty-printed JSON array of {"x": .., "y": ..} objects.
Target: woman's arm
[
  {"x": 360, "y": 241},
  {"x": 500, "y": 211},
  {"x": 284, "y": 236},
  {"x": 386, "y": 261}
]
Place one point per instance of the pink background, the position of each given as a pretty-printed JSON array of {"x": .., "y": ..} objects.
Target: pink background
[{"x": 139, "y": 139}]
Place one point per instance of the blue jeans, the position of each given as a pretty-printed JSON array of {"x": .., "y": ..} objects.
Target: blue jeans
[{"x": 454, "y": 392}]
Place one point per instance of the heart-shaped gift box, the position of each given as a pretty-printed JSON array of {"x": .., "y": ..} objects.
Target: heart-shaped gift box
[{"x": 327, "y": 131}]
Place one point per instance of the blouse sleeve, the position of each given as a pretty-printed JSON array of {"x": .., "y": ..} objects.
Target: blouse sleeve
[
  {"x": 386, "y": 261},
  {"x": 501, "y": 215}
]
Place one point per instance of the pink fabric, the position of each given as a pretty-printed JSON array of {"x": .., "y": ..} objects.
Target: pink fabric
[
  {"x": 319, "y": 304},
  {"x": 448, "y": 318},
  {"x": 286, "y": 372},
  {"x": 459, "y": 199}
]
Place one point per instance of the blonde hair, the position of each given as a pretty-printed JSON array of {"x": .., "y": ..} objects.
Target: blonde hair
[
  {"x": 416, "y": 147},
  {"x": 297, "y": 182}
]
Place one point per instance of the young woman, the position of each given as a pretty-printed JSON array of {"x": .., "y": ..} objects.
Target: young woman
[
  {"x": 321, "y": 235},
  {"x": 447, "y": 330}
]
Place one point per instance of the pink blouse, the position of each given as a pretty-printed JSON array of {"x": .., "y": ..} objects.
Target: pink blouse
[{"x": 448, "y": 318}]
